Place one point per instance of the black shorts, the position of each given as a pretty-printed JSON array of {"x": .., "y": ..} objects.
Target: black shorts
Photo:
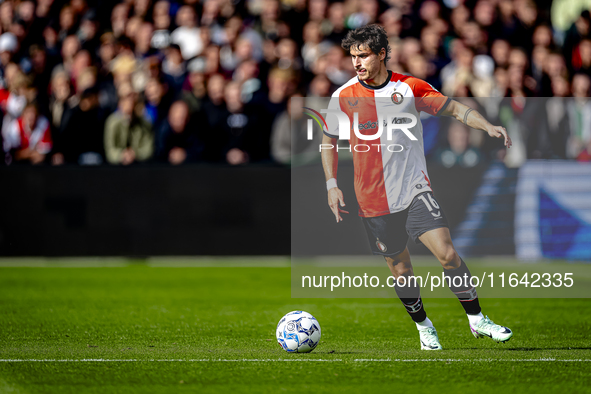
[{"x": 389, "y": 234}]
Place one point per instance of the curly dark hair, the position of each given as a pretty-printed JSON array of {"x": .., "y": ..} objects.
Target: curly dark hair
[{"x": 373, "y": 36}]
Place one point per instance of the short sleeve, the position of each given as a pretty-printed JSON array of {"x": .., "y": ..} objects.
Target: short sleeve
[
  {"x": 331, "y": 125},
  {"x": 428, "y": 99}
]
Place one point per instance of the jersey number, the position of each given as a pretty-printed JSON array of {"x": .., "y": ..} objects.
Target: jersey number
[{"x": 431, "y": 206}]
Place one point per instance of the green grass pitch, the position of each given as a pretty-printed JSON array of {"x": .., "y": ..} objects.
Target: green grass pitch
[{"x": 212, "y": 329}]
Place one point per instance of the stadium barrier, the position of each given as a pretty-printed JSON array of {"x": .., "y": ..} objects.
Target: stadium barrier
[
  {"x": 144, "y": 211},
  {"x": 542, "y": 212},
  {"x": 188, "y": 210}
]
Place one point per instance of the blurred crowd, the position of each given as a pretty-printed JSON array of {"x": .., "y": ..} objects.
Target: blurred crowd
[{"x": 87, "y": 82}]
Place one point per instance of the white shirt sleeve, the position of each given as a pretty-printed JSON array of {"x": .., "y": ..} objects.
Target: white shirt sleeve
[{"x": 331, "y": 128}]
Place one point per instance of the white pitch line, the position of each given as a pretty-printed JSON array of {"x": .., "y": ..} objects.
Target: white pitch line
[
  {"x": 101, "y": 360},
  {"x": 469, "y": 360}
]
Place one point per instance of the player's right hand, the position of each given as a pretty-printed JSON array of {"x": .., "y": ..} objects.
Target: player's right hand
[{"x": 335, "y": 198}]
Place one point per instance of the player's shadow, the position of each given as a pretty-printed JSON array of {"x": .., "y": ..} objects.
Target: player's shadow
[{"x": 335, "y": 352}]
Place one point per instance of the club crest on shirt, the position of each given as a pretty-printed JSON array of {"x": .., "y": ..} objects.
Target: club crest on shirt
[
  {"x": 381, "y": 246},
  {"x": 397, "y": 98}
]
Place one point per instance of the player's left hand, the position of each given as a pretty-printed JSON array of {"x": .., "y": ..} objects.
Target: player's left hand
[{"x": 500, "y": 132}]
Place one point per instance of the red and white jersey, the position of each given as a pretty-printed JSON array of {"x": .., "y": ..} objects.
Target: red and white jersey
[
  {"x": 389, "y": 172},
  {"x": 17, "y": 136}
]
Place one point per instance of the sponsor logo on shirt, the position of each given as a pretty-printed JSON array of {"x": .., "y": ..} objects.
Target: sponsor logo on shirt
[
  {"x": 368, "y": 125},
  {"x": 398, "y": 121}
]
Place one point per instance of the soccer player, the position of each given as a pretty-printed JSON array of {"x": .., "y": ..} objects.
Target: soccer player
[{"x": 391, "y": 182}]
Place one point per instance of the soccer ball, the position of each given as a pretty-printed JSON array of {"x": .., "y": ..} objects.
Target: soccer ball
[{"x": 298, "y": 332}]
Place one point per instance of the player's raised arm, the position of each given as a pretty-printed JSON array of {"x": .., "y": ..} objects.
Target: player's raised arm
[
  {"x": 474, "y": 119},
  {"x": 330, "y": 163}
]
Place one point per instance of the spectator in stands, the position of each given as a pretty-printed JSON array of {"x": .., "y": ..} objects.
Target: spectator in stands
[
  {"x": 335, "y": 23},
  {"x": 233, "y": 135},
  {"x": 51, "y": 44},
  {"x": 28, "y": 138},
  {"x": 500, "y": 50},
  {"x": 459, "y": 153},
  {"x": 579, "y": 30},
  {"x": 174, "y": 69},
  {"x": 161, "y": 17},
  {"x": 281, "y": 84},
  {"x": 273, "y": 49},
  {"x": 538, "y": 59},
  {"x": 312, "y": 47},
  {"x": 212, "y": 60},
  {"x": 70, "y": 47},
  {"x": 194, "y": 90},
  {"x": 9, "y": 72},
  {"x": 433, "y": 53},
  {"x": 281, "y": 134},
  {"x": 123, "y": 67},
  {"x": 232, "y": 54},
  {"x": 557, "y": 118},
  {"x": 141, "y": 8},
  {"x": 119, "y": 18},
  {"x": 268, "y": 23},
  {"x": 187, "y": 35},
  {"x": 143, "y": 41},
  {"x": 157, "y": 102},
  {"x": 128, "y": 136},
  {"x": 8, "y": 46},
  {"x": 6, "y": 15},
  {"x": 582, "y": 57},
  {"x": 543, "y": 36},
  {"x": 177, "y": 141},
  {"x": 320, "y": 87},
  {"x": 67, "y": 23},
  {"x": 81, "y": 138},
  {"x": 338, "y": 68},
  {"x": 289, "y": 143},
  {"x": 61, "y": 91},
  {"x": 212, "y": 115},
  {"x": 14, "y": 99},
  {"x": 458, "y": 74},
  {"x": 483, "y": 83},
  {"x": 474, "y": 38},
  {"x": 40, "y": 69},
  {"x": 89, "y": 33},
  {"x": 131, "y": 30},
  {"x": 288, "y": 55},
  {"x": 579, "y": 116}
]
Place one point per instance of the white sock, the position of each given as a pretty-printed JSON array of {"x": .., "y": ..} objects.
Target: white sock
[
  {"x": 474, "y": 319},
  {"x": 424, "y": 324}
]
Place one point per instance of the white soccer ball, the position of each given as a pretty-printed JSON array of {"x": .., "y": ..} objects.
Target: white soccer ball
[{"x": 298, "y": 332}]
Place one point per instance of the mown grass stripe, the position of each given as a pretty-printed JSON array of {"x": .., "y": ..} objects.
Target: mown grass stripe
[{"x": 298, "y": 360}]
